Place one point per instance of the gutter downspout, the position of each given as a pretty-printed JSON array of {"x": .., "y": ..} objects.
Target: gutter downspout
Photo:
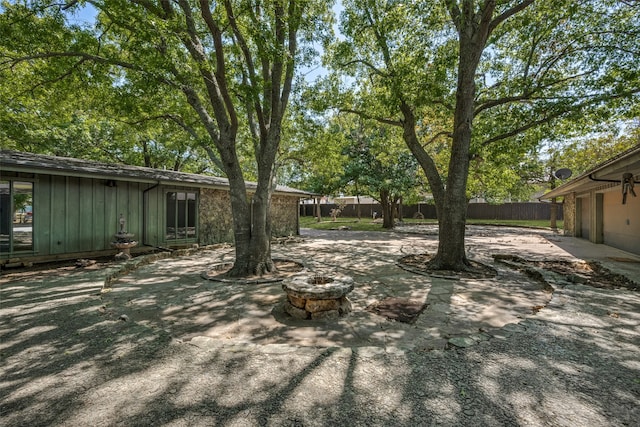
[
  {"x": 602, "y": 180},
  {"x": 591, "y": 178}
]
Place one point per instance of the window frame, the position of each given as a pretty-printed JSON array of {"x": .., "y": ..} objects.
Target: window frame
[
  {"x": 176, "y": 226},
  {"x": 11, "y": 180}
]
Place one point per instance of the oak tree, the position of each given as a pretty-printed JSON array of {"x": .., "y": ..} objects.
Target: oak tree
[{"x": 483, "y": 77}]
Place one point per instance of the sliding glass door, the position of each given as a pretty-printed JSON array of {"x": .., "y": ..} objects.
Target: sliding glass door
[{"x": 16, "y": 216}]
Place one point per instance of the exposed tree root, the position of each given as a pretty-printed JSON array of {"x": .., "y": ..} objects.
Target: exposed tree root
[
  {"x": 438, "y": 264},
  {"x": 282, "y": 268},
  {"x": 425, "y": 264},
  {"x": 266, "y": 267}
]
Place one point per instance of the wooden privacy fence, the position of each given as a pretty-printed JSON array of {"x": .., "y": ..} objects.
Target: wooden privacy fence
[{"x": 514, "y": 211}]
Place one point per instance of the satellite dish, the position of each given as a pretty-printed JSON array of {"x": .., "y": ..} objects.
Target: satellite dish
[{"x": 563, "y": 173}]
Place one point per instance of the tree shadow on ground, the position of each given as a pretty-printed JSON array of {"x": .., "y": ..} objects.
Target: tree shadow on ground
[
  {"x": 52, "y": 334},
  {"x": 68, "y": 360}
]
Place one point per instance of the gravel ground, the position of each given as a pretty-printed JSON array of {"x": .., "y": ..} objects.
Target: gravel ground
[{"x": 65, "y": 362}]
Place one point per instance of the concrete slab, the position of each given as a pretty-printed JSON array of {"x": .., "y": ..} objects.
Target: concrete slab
[
  {"x": 196, "y": 352},
  {"x": 170, "y": 293}
]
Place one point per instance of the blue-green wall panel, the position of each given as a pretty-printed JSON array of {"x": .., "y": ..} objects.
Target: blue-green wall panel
[
  {"x": 72, "y": 237},
  {"x": 58, "y": 213},
  {"x": 98, "y": 213},
  {"x": 81, "y": 215},
  {"x": 42, "y": 219},
  {"x": 85, "y": 215},
  {"x": 74, "y": 214}
]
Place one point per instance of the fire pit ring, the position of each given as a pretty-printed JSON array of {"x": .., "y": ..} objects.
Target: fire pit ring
[{"x": 317, "y": 297}]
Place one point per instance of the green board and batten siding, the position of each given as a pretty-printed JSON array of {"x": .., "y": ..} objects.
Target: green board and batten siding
[
  {"x": 81, "y": 215},
  {"x": 73, "y": 214},
  {"x": 156, "y": 213},
  {"x": 77, "y": 206}
]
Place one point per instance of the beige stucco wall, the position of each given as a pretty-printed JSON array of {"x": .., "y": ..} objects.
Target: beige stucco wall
[
  {"x": 583, "y": 227},
  {"x": 621, "y": 223},
  {"x": 216, "y": 222},
  {"x": 601, "y": 217}
]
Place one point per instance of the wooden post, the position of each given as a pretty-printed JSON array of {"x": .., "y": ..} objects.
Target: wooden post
[{"x": 554, "y": 214}]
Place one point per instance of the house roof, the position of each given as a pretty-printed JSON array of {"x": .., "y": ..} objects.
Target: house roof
[
  {"x": 55, "y": 165},
  {"x": 607, "y": 172}
]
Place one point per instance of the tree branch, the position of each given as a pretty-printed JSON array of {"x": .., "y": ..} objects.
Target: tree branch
[
  {"x": 508, "y": 13},
  {"x": 454, "y": 12},
  {"x": 527, "y": 95},
  {"x": 151, "y": 7},
  {"x": 213, "y": 156},
  {"x": 210, "y": 126},
  {"x": 369, "y": 117},
  {"x": 560, "y": 113},
  {"x": 12, "y": 62},
  {"x": 220, "y": 66},
  {"x": 446, "y": 105},
  {"x": 293, "y": 47},
  {"x": 277, "y": 67},
  {"x": 57, "y": 79},
  {"x": 424, "y": 159},
  {"x": 226, "y": 118},
  {"x": 368, "y": 64},
  {"x": 172, "y": 117},
  {"x": 501, "y": 101},
  {"x": 69, "y": 5},
  {"x": 438, "y": 135},
  {"x": 248, "y": 58}
]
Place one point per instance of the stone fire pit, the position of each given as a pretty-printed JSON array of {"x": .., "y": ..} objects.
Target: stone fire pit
[{"x": 317, "y": 297}]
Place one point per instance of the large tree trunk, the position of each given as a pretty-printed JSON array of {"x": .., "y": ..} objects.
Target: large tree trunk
[
  {"x": 318, "y": 211},
  {"x": 253, "y": 254},
  {"x": 450, "y": 201},
  {"x": 251, "y": 218},
  {"x": 387, "y": 209},
  {"x": 452, "y": 222},
  {"x": 453, "y": 213},
  {"x": 264, "y": 105},
  {"x": 252, "y": 232},
  {"x": 260, "y": 248},
  {"x": 241, "y": 222}
]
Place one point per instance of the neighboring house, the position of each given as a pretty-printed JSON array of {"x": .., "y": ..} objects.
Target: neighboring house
[
  {"x": 63, "y": 208},
  {"x": 600, "y": 204}
]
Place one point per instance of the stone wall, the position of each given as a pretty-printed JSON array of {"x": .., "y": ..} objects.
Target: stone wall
[
  {"x": 216, "y": 222},
  {"x": 284, "y": 216},
  {"x": 569, "y": 210}
]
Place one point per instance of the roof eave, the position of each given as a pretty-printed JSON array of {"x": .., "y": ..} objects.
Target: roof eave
[
  {"x": 28, "y": 163},
  {"x": 608, "y": 172}
]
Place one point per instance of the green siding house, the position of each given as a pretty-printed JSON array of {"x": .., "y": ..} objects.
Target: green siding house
[{"x": 63, "y": 208}]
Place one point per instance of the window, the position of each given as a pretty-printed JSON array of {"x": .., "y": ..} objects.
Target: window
[
  {"x": 181, "y": 216},
  {"x": 16, "y": 216}
]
